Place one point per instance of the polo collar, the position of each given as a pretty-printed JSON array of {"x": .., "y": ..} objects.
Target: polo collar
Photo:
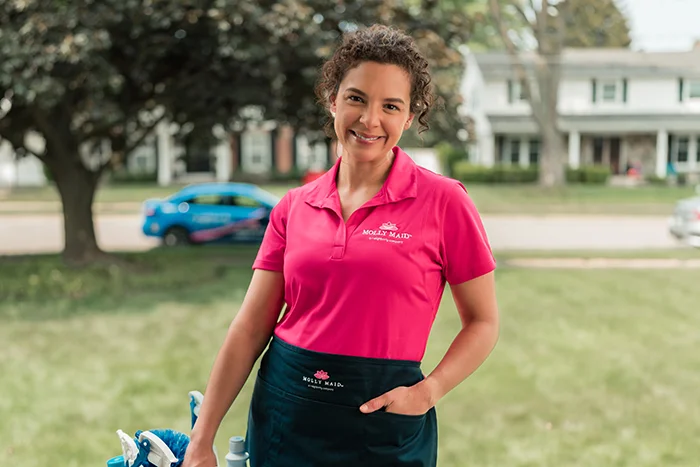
[{"x": 401, "y": 183}]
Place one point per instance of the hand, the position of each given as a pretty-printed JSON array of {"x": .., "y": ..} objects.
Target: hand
[
  {"x": 198, "y": 455},
  {"x": 405, "y": 400}
]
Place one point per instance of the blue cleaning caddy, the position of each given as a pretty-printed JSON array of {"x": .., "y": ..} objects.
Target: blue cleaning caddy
[{"x": 166, "y": 448}]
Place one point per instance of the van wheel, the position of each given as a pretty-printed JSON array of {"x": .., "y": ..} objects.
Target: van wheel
[{"x": 176, "y": 236}]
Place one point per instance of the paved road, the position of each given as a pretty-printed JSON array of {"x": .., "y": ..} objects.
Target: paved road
[{"x": 44, "y": 233}]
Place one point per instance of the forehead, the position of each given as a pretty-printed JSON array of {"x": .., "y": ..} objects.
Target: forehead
[{"x": 380, "y": 79}]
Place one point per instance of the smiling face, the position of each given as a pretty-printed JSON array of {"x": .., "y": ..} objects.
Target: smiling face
[{"x": 372, "y": 110}]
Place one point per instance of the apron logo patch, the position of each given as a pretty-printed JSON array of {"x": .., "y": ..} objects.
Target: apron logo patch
[{"x": 321, "y": 381}]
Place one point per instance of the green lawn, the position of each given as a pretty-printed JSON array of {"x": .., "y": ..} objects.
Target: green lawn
[
  {"x": 577, "y": 199},
  {"x": 675, "y": 253},
  {"x": 593, "y": 368},
  {"x": 126, "y": 193},
  {"x": 490, "y": 199}
]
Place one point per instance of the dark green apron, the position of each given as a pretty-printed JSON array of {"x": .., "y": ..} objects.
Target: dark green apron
[{"x": 305, "y": 412}]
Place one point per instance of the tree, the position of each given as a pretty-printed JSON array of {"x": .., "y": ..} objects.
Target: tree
[
  {"x": 594, "y": 23},
  {"x": 93, "y": 79},
  {"x": 539, "y": 70}
]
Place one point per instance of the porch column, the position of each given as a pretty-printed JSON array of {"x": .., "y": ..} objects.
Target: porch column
[
  {"x": 624, "y": 154},
  {"x": 693, "y": 153},
  {"x": 7, "y": 165},
  {"x": 661, "y": 153},
  {"x": 487, "y": 150},
  {"x": 223, "y": 159},
  {"x": 574, "y": 149},
  {"x": 524, "y": 155},
  {"x": 165, "y": 154}
]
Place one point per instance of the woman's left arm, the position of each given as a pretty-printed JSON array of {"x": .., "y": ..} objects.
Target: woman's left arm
[{"x": 478, "y": 310}]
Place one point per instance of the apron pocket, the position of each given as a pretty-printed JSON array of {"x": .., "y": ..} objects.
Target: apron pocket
[
  {"x": 304, "y": 432},
  {"x": 404, "y": 440}
]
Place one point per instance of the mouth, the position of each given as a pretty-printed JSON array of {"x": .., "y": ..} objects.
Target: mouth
[{"x": 365, "y": 138}]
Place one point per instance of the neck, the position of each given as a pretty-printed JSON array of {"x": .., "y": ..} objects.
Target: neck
[{"x": 353, "y": 175}]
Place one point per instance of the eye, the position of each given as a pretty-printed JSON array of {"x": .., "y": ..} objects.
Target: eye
[
  {"x": 392, "y": 107},
  {"x": 355, "y": 98}
]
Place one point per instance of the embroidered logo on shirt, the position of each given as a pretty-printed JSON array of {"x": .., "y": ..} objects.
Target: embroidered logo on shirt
[
  {"x": 387, "y": 232},
  {"x": 321, "y": 381},
  {"x": 388, "y": 226}
]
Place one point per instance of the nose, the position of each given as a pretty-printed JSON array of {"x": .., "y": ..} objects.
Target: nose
[{"x": 370, "y": 117}]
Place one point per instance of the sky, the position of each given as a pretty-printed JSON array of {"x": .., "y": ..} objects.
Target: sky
[{"x": 663, "y": 25}]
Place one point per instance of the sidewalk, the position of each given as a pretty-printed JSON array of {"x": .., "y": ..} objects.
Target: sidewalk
[{"x": 603, "y": 263}]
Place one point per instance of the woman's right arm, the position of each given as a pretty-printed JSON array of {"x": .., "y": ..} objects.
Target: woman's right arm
[{"x": 246, "y": 339}]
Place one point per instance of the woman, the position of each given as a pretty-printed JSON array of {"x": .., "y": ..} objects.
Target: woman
[{"x": 360, "y": 257}]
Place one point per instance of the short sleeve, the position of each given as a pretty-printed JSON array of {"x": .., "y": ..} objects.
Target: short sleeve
[
  {"x": 465, "y": 249},
  {"x": 270, "y": 255}
]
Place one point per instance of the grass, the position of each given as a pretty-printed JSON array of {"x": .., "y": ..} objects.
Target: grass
[
  {"x": 490, "y": 199},
  {"x": 126, "y": 193},
  {"x": 675, "y": 253},
  {"x": 593, "y": 368},
  {"x": 577, "y": 199}
]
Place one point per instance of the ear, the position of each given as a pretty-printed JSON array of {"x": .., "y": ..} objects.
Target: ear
[
  {"x": 332, "y": 107},
  {"x": 409, "y": 122}
]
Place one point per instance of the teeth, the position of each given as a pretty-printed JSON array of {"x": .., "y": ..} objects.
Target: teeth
[{"x": 366, "y": 139}]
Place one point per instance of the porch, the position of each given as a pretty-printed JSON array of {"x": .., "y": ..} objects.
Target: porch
[{"x": 659, "y": 145}]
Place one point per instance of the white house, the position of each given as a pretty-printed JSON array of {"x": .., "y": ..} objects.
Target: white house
[
  {"x": 616, "y": 107},
  {"x": 259, "y": 149}
]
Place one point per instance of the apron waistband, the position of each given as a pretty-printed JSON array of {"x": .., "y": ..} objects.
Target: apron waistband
[{"x": 336, "y": 379}]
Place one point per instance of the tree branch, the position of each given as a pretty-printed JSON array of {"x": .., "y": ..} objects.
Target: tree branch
[
  {"x": 518, "y": 65},
  {"x": 146, "y": 132},
  {"x": 519, "y": 9},
  {"x": 541, "y": 30},
  {"x": 101, "y": 130},
  {"x": 16, "y": 143},
  {"x": 45, "y": 126}
]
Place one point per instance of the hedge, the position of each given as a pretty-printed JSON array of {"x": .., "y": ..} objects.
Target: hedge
[{"x": 466, "y": 172}]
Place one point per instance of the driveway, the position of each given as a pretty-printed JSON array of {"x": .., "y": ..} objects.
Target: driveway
[{"x": 44, "y": 233}]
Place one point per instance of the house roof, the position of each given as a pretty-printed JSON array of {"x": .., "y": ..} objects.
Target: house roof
[{"x": 593, "y": 62}]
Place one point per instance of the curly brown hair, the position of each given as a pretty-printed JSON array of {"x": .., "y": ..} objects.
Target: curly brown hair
[{"x": 381, "y": 44}]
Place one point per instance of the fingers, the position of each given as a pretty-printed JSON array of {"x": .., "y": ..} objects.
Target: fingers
[
  {"x": 374, "y": 405},
  {"x": 380, "y": 402}
]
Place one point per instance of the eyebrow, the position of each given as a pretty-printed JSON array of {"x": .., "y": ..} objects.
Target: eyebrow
[{"x": 388, "y": 99}]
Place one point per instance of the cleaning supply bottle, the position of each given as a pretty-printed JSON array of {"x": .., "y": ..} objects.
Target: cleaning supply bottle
[{"x": 237, "y": 455}]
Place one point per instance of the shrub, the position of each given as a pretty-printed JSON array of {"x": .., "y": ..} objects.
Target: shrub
[
  {"x": 589, "y": 175},
  {"x": 126, "y": 177},
  {"x": 655, "y": 180},
  {"x": 466, "y": 172},
  {"x": 449, "y": 155}
]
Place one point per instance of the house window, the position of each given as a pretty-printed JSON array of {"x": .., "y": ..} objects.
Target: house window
[
  {"x": 609, "y": 93},
  {"x": 534, "y": 151},
  {"x": 597, "y": 151},
  {"x": 694, "y": 89},
  {"x": 516, "y": 91},
  {"x": 680, "y": 149},
  {"x": 514, "y": 151},
  {"x": 258, "y": 146},
  {"x": 509, "y": 152},
  {"x": 257, "y": 149},
  {"x": 319, "y": 156}
]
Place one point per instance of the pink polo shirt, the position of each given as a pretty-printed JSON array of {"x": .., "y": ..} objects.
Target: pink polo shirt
[{"x": 371, "y": 287}]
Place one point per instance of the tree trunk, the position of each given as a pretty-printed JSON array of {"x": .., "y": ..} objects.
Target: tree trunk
[
  {"x": 552, "y": 159},
  {"x": 76, "y": 186}
]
